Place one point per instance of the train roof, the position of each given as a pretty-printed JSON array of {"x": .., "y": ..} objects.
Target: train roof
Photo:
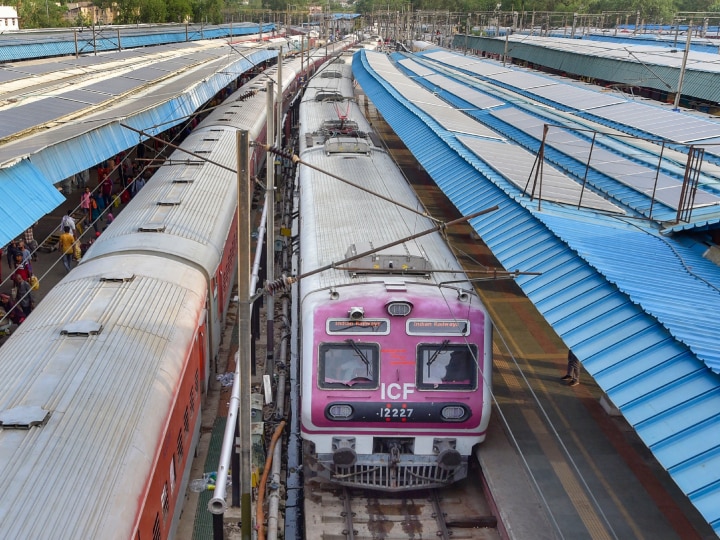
[
  {"x": 84, "y": 382},
  {"x": 245, "y": 108},
  {"x": 184, "y": 208},
  {"x": 328, "y": 98},
  {"x": 339, "y": 220}
]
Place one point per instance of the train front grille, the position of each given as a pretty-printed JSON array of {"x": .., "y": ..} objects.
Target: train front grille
[{"x": 399, "y": 477}]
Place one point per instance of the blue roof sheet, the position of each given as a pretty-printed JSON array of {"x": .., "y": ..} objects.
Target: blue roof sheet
[
  {"x": 58, "y": 154},
  {"x": 18, "y": 46},
  {"x": 640, "y": 310},
  {"x": 26, "y": 194}
]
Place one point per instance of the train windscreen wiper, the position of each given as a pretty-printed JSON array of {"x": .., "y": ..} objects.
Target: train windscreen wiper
[
  {"x": 432, "y": 359},
  {"x": 360, "y": 354}
]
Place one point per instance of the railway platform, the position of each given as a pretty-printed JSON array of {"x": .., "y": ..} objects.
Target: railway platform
[
  {"x": 48, "y": 266},
  {"x": 558, "y": 462}
]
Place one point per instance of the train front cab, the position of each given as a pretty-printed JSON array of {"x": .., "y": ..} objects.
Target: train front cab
[{"x": 398, "y": 415}]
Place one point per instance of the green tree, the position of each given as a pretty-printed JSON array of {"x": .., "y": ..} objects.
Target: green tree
[
  {"x": 179, "y": 11},
  {"x": 128, "y": 11},
  {"x": 651, "y": 11},
  {"x": 153, "y": 11},
  {"x": 210, "y": 11},
  {"x": 82, "y": 20},
  {"x": 695, "y": 5},
  {"x": 275, "y": 5},
  {"x": 655, "y": 11},
  {"x": 103, "y": 4},
  {"x": 40, "y": 14}
]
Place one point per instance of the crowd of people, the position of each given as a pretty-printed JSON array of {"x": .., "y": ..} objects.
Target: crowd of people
[
  {"x": 17, "y": 305},
  {"x": 118, "y": 180}
]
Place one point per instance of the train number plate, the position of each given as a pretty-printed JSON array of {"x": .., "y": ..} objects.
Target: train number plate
[
  {"x": 411, "y": 412},
  {"x": 400, "y": 413}
]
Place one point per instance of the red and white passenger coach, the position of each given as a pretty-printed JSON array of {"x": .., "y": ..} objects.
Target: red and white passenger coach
[{"x": 101, "y": 386}]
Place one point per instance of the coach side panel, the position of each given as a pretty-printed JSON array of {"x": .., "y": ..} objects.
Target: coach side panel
[{"x": 165, "y": 494}]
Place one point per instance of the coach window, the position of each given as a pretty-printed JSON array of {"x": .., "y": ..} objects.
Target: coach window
[
  {"x": 349, "y": 364},
  {"x": 447, "y": 366}
]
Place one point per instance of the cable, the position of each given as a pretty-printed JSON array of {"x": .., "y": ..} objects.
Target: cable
[{"x": 260, "y": 511}]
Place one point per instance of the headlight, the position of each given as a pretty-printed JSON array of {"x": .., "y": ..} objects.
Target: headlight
[
  {"x": 340, "y": 411},
  {"x": 399, "y": 309},
  {"x": 453, "y": 412}
]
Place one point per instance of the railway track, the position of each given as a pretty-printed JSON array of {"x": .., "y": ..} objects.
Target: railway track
[{"x": 459, "y": 512}]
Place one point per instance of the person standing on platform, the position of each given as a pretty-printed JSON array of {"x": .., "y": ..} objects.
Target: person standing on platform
[
  {"x": 83, "y": 177},
  {"x": 22, "y": 268},
  {"x": 138, "y": 183},
  {"x": 66, "y": 242},
  {"x": 11, "y": 251},
  {"x": 30, "y": 242},
  {"x": 107, "y": 189},
  {"x": 24, "y": 295},
  {"x": 97, "y": 205},
  {"x": 85, "y": 203},
  {"x": 26, "y": 255},
  {"x": 67, "y": 185},
  {"x": 573, "y": 370},
  {"x": 103, "y": 169},
  {"x": 68, "y": 221},
  {"x": 124, "y": 172}
]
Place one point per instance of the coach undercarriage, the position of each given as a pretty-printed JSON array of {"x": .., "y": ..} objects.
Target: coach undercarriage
[{"x": 391, "y": 467}]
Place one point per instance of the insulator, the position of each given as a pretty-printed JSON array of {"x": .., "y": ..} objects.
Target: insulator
[
  {"x": 279, "y": 285},
  {"x": 281, "y": 152},
  {"x": 246, "y": 95}
]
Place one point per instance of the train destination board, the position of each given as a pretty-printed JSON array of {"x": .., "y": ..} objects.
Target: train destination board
[
  {"x": 438, "y": 327},
  {"x": 359, "y": 326}
]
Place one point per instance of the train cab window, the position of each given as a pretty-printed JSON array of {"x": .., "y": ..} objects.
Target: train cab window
[
  {"x": 349, "y": 364},
  {"x": 446, "y": 366}
]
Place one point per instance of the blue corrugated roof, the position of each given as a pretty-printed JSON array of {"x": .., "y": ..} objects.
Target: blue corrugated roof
[
  {"x": 640, "y": 310},
  {"x": 26, "y": 194},
  {"x": 58, "y": 154},
  {"x": 345, "y": 16},
  {"x": 23, "y": 46},
  {"x": 611, "y": 187},
  {"x": 67, "y": 157},
  {"x": 640, "y": 64}
]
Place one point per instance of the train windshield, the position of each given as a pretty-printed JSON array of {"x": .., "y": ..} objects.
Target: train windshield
[
  {"x": 348, "y": 364},
  {"x": 447, "y": 366}
]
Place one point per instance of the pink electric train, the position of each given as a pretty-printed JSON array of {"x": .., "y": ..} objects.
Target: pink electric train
[{"x": 395, "y": 345}]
